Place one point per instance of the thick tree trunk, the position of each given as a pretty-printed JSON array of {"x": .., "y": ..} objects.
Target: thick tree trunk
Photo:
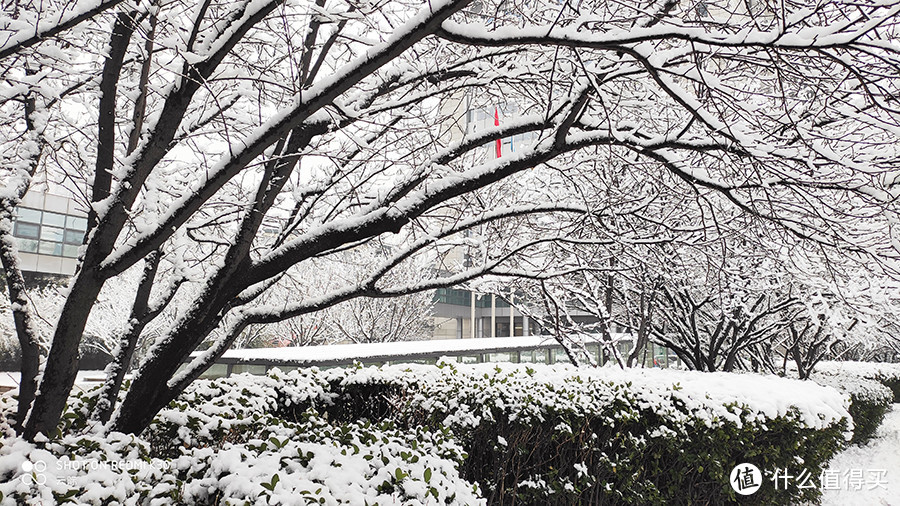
[
  {"x": 62, "y": 361},
  {"x": 150, "y": 390}
]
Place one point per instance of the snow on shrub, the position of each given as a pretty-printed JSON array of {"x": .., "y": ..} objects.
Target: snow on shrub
[
  {"x": 220, "y": 444},
  {"x": 447, "y": 434},
  {"x": 869, "y": 401},
  {"x": 872, "y": 387},
  {"x": 540, "y": 434},
  {"x": 887, "y": 374}
]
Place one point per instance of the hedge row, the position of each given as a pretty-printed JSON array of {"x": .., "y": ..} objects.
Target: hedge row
[
  {"x": 869, "y": 401},
  {"x": 447, "y": 434},
  {"x": 221, "y": 444},
  {"x": 539, "y": 435},
  {"x": 887, "y": 374}
]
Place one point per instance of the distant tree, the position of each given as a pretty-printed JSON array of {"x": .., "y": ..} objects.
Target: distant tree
[
  {"x": 359, "y": 320},
  {"x": 711, "y": 334}
]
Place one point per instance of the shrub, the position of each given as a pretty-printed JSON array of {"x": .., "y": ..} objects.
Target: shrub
[
  {"x": 539, "y": 435},
  {"x": 445, "y": 435},
  {"x": 221, "y": 443},
  {"x": 887, "y": 374},
  {"x": 869, "y": 400}
]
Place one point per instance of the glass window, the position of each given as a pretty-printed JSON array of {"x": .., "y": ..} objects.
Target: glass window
[
  {"x": 70, "y": 251},
  {"x": 50, "y": 248},
  {"x": 594, "y": 351},
  {"x": 56, "y": 220},
  {"x": 29, "y": 215},
  {"x": 500, "y": 357},
  {"x": 51, "y": 234},
  {"x": 76, "y": 223},
  {"x": 256, "y": 370},
  {"x": 215, "y": 371},
  {"x": 560, "y": 356},
  {"x": 73, "y": 236},
  {"x": 27, "y": 230},
  {"x": 28, "y": 245},
  {"x": 534, "y": 356}
]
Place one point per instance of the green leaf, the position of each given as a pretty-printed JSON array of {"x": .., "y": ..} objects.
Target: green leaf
[
  {"x": 427, "y": 474},
  {"x": 271, "y": 485}
]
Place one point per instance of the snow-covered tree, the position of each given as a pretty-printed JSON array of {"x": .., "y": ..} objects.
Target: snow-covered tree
[
  {"x": 223, "y": 145},
  {"x": 358, "y": 320}
]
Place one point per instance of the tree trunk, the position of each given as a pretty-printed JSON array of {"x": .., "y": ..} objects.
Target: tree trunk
[
  {"x": 31, "y": 353},
  {"x": 62, "y": 362},
  {"x": 15, "y": 282},
  {"x": 150, "y": 390},
  {"x": 124, "y": 351},
  {"x": 138, "y": 318}
]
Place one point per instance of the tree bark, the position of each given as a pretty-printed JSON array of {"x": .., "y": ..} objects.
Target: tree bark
[
  {"x": 31, "y": 353},
  {"x": 15, "y": 282},
  {"x": 150, "y": 390},
  {"x": 122, "y": 31},
  {"x": 62, "y": 362},
  {"x": 139, "y": 317},
  {"x": 124, "y": 351}
]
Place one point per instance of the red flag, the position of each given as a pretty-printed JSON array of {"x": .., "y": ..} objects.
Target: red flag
[{"x": 497, "y": 123}]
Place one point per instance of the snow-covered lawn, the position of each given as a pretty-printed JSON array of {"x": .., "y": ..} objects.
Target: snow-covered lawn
[
  {"x": 869, "y": 474},
  {"x": 85, "y": 379}
]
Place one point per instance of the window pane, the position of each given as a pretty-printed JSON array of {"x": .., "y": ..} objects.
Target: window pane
[
  {"x": 57, "y": 220},
  {"x": 29, "y": 215},
  {"x": 70, "y": 251},
  {"x": 28, "y": 245},
  {"x": 560, "y": 356},
  {"x": 76, "y": 223},
  {"x": 51, "y": 234},
  {"x": 50, "y": 248},
  {"x": 27, "y": 230},
  {"x": 73, "y": 236}
]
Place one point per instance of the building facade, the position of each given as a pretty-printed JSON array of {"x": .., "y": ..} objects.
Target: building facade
[{"x": 49, "y": 230}]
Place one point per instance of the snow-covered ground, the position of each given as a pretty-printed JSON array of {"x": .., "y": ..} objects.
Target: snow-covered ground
[
  {"x": 868, "y": 475},
  {"x": 85, "y": 378}
]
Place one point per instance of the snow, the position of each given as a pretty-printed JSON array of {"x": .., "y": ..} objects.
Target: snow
[
  {"x": 396, "y": 350},
  {"x": 350, "y": 462},
  {"x": 882, "y": 453},
  {"x": 575, "y": 35},
  {"x": 711, "y": 397},
  {"x": 281, "y": 460},
  {"x": 869, "y": 370},
  {"x": 10, "y": 379}
]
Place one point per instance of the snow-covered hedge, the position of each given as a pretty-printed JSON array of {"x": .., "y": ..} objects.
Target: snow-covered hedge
[
  {"x": 562, "y": 435},
  {"x": 872, "y": 387},
  {"x": 221, "y": 443},
  {"x": 869, "y": 401},
  {"x": 885, "y": 373},
  {"x": 447, "y": 434}
]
